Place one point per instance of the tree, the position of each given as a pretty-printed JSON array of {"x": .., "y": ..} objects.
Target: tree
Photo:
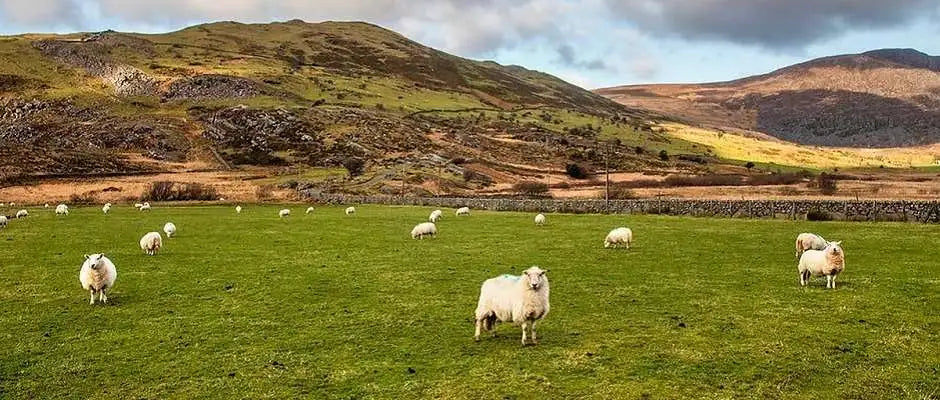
[
  {"x": 826, "y": 183},
  {"x": 354, "y": 165},
  {"x": 749, "y": 165},
  {"x": 576, "y": 171},
  {"x": 663, "y": 155}
]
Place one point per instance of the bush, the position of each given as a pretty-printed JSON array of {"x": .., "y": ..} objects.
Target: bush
[
  {"x": 354, "y": 165},
  {"x": 777, "y": 179},
  {"x": 576, "y": 171},
  {"x": 264, "y": 192},
  {"x": 749, "y": 165},
  {"x": 179, "y": 191},
  {"x": 818, "y": 215},
  {"x": 826, "y": 184},
  {"x": 529, "y": 188},
  {"x": 620, "y": 192},
  {"x": 639, "y": 150},
  {"x": 84, "y": 198},
  {"x": 663, "y": 155}
]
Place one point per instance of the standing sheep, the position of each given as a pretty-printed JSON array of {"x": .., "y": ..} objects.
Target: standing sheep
[
  {"x": 462, "y": 211},
  {"x": 828, "y": 262},
  {"x": 97, "y": 276},
  {"x": 169, "y": 229},
  {"x": 3, "y": 221},
  {"x": 540, "y": 219},
  {"x": 61, "y": 209},
  {"x": 424, "y": 229},
  {"x": 309, "y": 210},
  {"x": 22, "y": 214},
  {"x": 619, "y": 236},
  {"x": 284, "y": 213},
  {"x": 238, "y": 209},
  {"x": 106, "y": 208},
  {"x": 521, "y": 300},
  {"x": 350, "y": 210},
  {"x": 151, "y": 243},
  {"x": 435, "y": 215},
  {"x": 809, "y": 241}
]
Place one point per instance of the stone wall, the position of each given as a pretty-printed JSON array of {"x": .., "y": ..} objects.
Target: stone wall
[{"x": 893, "y": 210}]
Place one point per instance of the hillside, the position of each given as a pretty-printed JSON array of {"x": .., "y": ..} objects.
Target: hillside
[{"x": 881, "y": 98}]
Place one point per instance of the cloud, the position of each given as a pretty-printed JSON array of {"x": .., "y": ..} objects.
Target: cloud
[
  {"x": 568, "y": 58},
  {"x": 38, "y": 12},
  {"x": 772, "y": 24}
]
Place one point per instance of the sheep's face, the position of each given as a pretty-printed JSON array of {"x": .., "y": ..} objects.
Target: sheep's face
[
  {"x": 535, "y": 277},
  {"x": 93, "y": 260},
  {"x": 835, "y": 248}
]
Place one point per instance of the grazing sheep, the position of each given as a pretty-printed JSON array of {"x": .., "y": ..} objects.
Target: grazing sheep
[
  {"x": 61, "y": 209},
  {"x": 238, "y": 209},
  {"x": 151, "y": 243},
  {"x": 619, "y": 236},
  {"x": 540, "y": 219},
  {"x": 521, "y": 300},
  {"x": 828, "y": 262},
  {"x": 424, "y": 229},
  {"x": 436, "y": 215},
  {"x": 2, "y": 205},
  {"x": 106, "y": 208},
  {"x": 138, "y": 205},
  {"x": 22, "y": 214},
  {"x": 97, "y": 276},
  {"x": 283, "y": 213},
  {"x": 309, "y": 210},
  {"x": 350, "y": 210},
  {"x": 145, "y": 206},
  {"x": 3, "y": 221},
  {"x": 809, "y": 241},
  {"x": 169, "y": 229},
  {"x": 463, "y": 211},
  {"x": 45, "y": 205}
]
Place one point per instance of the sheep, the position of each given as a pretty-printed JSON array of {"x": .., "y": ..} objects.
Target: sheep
[
  {"x": 309, "y": 210},
  {"x": 283, "y": 213},
  {"x": 138, "y": 205},
  {"x": 619, "y": 236},
  {"x": 61, "y": 209},
  {"x": 424, "y": 229},
  {"x": 521, "y": 300},
  {"x": 169, "y": 229},
  {"x": 145, "y": 206},
  {"x": 22, "y": 214},
  {"x": 238, "y": 209},
  {"x": 350, "y": 210},
  {"x": 45, "y": 205},
  {"x": 108, "y": 205},
  {"x": 828, "y": 262},
  {"x": 540, "y": 219},
  {"x": 3, "y": 221},
  {"x": 436, "y": 215},
  {"x": 106, "y": 209},
  {"x": 463, "y": 211},
  {"x": 97, "y": 276},
  {"x": 809, "y": 241},
  {"x": 151, "y": 243}
]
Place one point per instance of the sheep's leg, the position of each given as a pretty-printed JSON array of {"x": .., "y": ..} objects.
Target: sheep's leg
[
  {"x": 524, "y": 327},
  {"x": 103, "y": 297},
  {"x": 92, "y": 292},
  {"x": 834, "y": 281},
  {"x": 802, "y": 279},
  {"x": 534, "y": 339},
  {"x": 476, "y": 336}
]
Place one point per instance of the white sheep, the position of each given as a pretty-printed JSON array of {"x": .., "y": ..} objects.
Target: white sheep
[
  {"x": 424, "y": 229},
  {"x": 540, "y": 219},
  {"x": 435, "y": 215},
  {"x": 108, "y": 204},
  {"x": 45, "y": 205},
  {"x": 521, "y": 300},
  {"x": 145, "y": 206},
  {"x": 3, "y": 221},
  {"x": 809, "y": 241},
  {"x": 350, "y": 210},
  {"x": 138, "y": 205},
  {"x": 309, "y": 210},
  {"x": 238, "y": 209},
  {"x": 97, "y": 276},
  {"x": 106, "y": 208},
  {"x": 619, "y": 236},
  {"x": 463, "y": 211},
  {"x": 828, "y": 262},
  {"x": 61, "y": 209},
  {"x": 284, "y": 213},
  {"x": 169, "y": 229},
  {"x": 22, "y": 214},
  {"x": 151, "y": 243}
]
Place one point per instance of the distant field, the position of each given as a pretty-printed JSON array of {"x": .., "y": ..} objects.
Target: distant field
[{"x": 330, "y": 306}]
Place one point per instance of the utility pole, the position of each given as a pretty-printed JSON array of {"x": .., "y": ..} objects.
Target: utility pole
[
  {"x": 402, "y": 181},
  {"x": 607, "y": 178}
]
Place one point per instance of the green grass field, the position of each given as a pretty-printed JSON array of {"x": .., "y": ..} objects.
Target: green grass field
[{"x": 330, "y": 306}]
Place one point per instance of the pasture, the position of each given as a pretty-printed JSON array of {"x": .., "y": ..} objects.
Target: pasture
[{"x": 333, "y": 306}]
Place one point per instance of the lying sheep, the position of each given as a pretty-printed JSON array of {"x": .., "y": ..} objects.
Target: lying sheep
[
  {"x": 151, "y": 243},
  {"x": 283, "y": 213},
  {"x": 809, "y": 241},
  {"x": 828, "y": 262},
  {"x": 435, "y": 215},
  {"x": 424, "y": 229},
  {"x": 540, "y": 219},
  {"x": 309, "y": 210},
  {"x": 145, "y": 207},
  {"x": 97, "y": 276},
  {"x": 619, "y": 236},
  {"x": 463, "y": 211},
  {"x": 61, "y": 209},
  {"x": 22, "y": 213},
  {"x": 3, "y": 221},
  {"x": 350, "y": 210},
  {"x": 169, "y": 229},
  {"x": 521, "y": 300},
  {"x": 238, "y": 209}
]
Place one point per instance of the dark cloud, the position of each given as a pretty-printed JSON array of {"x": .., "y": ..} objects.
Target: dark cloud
[
  {"x": 568, "y": 58},
  {"x": 775, "y": 24}
]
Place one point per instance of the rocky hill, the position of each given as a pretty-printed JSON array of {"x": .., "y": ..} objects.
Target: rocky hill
[{"x": 881, "y": 98}]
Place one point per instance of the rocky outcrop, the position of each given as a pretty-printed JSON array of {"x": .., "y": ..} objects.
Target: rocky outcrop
[
  {"x": 201, "y": 87},
  {"x": 93, "y": 57}
]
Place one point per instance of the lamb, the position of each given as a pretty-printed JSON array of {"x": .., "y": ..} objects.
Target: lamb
[
  {"x": 145, "y": 206},
  {"x": 463, "y": 211},
  {"x": 169, "y": 229},
  {"x": 106, "y": 209},
  {"x": 284, "y": 213},
  {"x": 436, "y": 215},
  {"x": 151, "y": 243},
  {"x": 238, "y": 209},
  {"x": 828, "y": 262},
  {"x": 540, "y": 219},
  {"x": 3, "y": 221},
  {"x": 61, "y": 209},
  {"x": 619, "y": 236},
  {"x": 350, "y": 210},
  {"x": 22, "y": 214},
  {"x": 97, "y": 276},
  {"x": 521, "y": 300},
  {"x": 309, "y": 210},
  {"x": 424, "y": 229},
  {"x": 809, "y": 241}
]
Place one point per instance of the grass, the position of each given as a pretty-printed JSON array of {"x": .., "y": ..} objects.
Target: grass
[{"x": 330, "y": 306}]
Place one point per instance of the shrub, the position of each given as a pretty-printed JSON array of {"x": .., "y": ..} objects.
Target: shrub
[
  {"x": 529, "y": 188},
  {"x": 620, "y": 192},
  {"x": 663, "y": 155},
  {"x": 826, "y": 184},
  {"x": 83, "y": 198},
  {"x": 354, "y": 165},
  {"x": 818, "y": 215},
  {"x": 749, "y": 165},
  {"x": 179, "y": 191},
  {"x": 777, "y": 179},
  {"x": 576, "y": 171},
  {"x": 264, "y": 192},
  {"x": 639, "y": 150}
]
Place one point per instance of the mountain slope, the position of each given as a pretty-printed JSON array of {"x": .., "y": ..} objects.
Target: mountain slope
[{"x": 881, "y": 98}]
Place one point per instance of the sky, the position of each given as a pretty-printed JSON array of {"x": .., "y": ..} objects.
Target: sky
[{"x": 591, "y": 43}]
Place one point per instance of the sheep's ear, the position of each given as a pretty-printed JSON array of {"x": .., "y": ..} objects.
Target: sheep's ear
[
  {"x": 86, "y": 256},
  {"x": 102, "y": 254},
  {"x": 543, "y": 272}
]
